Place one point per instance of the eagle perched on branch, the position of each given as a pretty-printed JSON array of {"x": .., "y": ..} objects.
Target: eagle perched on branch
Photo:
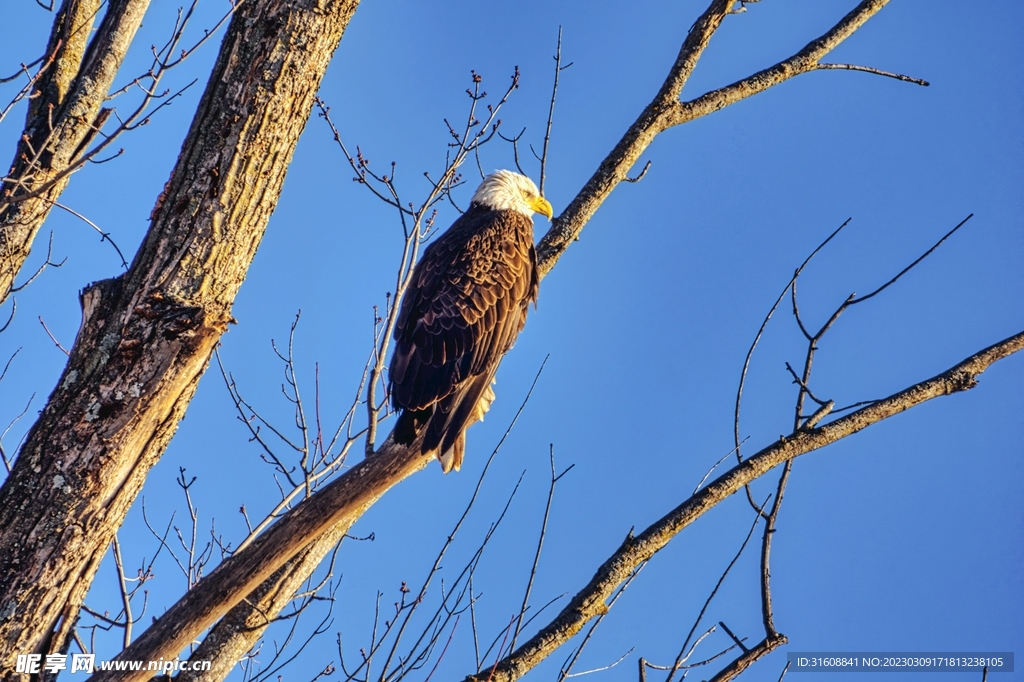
[{"x": 464, "y": 307}]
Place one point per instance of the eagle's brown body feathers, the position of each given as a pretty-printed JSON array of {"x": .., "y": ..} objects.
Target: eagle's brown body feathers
[{"x": 464, "y": 307}]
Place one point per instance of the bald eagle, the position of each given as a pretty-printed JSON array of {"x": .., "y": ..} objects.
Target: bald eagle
[{"x": 464, "y": 307}]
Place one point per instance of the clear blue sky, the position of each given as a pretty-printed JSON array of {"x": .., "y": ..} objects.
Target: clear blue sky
[{"x": 905, "y": 537}]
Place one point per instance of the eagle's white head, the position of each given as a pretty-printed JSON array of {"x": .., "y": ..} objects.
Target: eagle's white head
[{"x": 504, "y": 190}]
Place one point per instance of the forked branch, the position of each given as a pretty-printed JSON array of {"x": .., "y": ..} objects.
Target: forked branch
[{"x": 666, "y": 111}]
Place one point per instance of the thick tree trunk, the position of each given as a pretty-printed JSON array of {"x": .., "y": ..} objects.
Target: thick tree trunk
[{"x": 147, "y": 336}]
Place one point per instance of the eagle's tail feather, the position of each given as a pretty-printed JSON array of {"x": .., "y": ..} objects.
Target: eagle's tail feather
[
  {"x": 452, "y": 457},
  {"x": 409, "y": 424},
  {"x": 448, "y": 437}
]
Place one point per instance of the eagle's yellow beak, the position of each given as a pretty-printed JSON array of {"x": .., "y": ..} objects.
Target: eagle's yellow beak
[{"x": 542, "y": 206}]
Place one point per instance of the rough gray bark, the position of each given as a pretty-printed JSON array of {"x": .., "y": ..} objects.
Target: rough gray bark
[
  {"x": 148, "y": 335},
  {"x": 61, "y": 120}
]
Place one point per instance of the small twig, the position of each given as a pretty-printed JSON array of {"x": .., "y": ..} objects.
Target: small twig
[
  {"x": 567, "y": 669},
  {"x": 497, "y": 657},
  {"x": 25, "y": 67},
  {"x": 604, "y": 667},
  {"x": 716, "y": 465},
  {"x": 3, "y": 453},
  {"x": 371, "y": 390},
  {"x": 53, "y": 338},
  {"x": 739, "y": 642},
  {"x": 767, "y": 615},
  {"x": 912, "y": 265},
  {"x": 472, "y": 616},
  {"x": 103, "y": 618},
  {"x": 9, "y": 361},
  {"x": 78, "y": 640},
  {"x": 514, "y": 141},
  {"x": 441, "y": 656},
  {"x": 683, "y": 650},
  {"x": 760, "y": 332},
  {"x": 104, "y": 236},
  {"x": 542, "y": 610},
  {"x": 854, "y": 406},
  {"x": 126, "y": 600},
  {"x": 162, "y": 539},
  {"x": 10, "y": 318},
  {"x": 39, "y": 271},
  {"x": 683, "y": 665},
  {"x": 796, "y": 313},
  {"x": 551, "y": 113},
  {"x": 799, "y": 382},
  {"x": 638, "y": 178},
  {"x": 877, "y": 72},
  {"x": 757, "y": 339},
  {"x": 540, "y": 544},
  {"x": 749, "y": 657}
]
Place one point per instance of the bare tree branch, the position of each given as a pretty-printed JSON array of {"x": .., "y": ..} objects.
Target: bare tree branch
[
  {"x": 590, "y": 602},
  {"x": 540, "y": 545},
  {"x": 240, "y": 629},
  {"x": 683, "y": 652},
  {"x": 749, "y": 657},
  {"x": 877, "y": 72}
]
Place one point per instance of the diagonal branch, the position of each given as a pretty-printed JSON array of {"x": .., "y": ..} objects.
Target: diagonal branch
[
  {"x": 252, "y": 573},
  {"x": 804, "y": 61},
  {"x": 613, "y": 170},
  {"x": 590, "y": 601},
  {"x": 336, "y": 506}
]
